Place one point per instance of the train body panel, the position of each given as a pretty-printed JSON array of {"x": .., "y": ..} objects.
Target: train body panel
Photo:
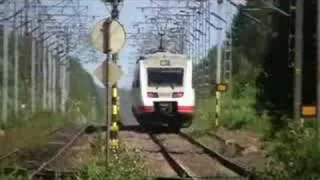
[{"x": 162, "y": 87}]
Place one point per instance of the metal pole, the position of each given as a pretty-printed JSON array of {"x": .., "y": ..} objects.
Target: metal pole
[
  {"x": 208, "y": 46},
  {"x": 33, "y": 66},
  {"x": 108, "y": 111},
  {"x": 33, "y": 73},
  {"x": 63, "y": 85},
  {"x": 218, "y": 70},
  {"x": 318, "y": 66},
  {"x": 298, "y": 60},
  {"x": 44, "y": 73},
  {"x": 26, "y": 16},
  {"x": 16, "y": 63},
  {"x": 39, "y": 75},
  {"x": 67, "y": 64},
  {"x": 49, "y": 86},
  {"x": 54, "y": 82},
  {"x": 227, "y": 69},
  {"x": 5, "y": 71},
  {"x": 114, "y": 100},
  {"x": 186, "y": 38},
  {"x": 108, "y": 88}
]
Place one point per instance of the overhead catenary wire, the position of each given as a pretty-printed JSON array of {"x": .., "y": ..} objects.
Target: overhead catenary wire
[{"x": 45, "y": 54}]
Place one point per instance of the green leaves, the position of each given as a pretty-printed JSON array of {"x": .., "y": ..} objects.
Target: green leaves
[
  {"x": 83, "y": 89},
  {"x": 297, "y": 152}
]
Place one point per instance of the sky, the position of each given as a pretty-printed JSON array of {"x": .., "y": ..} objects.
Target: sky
[{"x": 128, "y": 15}]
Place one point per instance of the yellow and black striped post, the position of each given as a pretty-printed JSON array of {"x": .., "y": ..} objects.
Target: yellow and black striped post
[
  {"x": 114, "y": 141},
  {"x": 114, "y": 122}
]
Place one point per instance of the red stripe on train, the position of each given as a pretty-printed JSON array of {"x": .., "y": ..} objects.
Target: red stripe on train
[
  {"x": 185, "y": 108},
  {"x": 146, "y": 109},
  {"x": 180, "y": 109}
]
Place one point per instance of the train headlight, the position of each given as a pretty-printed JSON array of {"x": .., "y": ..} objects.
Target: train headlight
[
  {"x": 177, "y": 94},
  {"x": 152, "y": 94}
]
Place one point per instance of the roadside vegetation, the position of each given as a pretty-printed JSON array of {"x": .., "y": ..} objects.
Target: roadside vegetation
[
  {"x": 83, "y": 91},
  {"x": 32, "y": 132},
  {"x": 262, "y": 103},
  {"x": 258, "y": 102},
  {"x": 121, "y": 165},
  {"x": 296, "y": 153},
  {"x": 25, "y": 129}
]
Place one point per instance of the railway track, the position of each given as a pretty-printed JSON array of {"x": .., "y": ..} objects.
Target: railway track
[
  {"x": 36, "y": 163},
  {"x": 176, "y": 164},
  {"x": 188, "y": 161},
  {"x": 63, "y": 149},
  {"x": 222, "y": 159},
  {"x": 238, "y": 146},
  {"x": 16, "y": 150}
]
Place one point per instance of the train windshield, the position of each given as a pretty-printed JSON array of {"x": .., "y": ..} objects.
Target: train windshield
[{"x": 165, "y": 76}]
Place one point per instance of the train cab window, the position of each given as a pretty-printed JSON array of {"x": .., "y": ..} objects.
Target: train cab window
[{"x": 165, "y": 76}]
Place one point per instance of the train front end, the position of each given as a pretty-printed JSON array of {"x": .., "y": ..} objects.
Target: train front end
[{"x": 166, "y": 90}]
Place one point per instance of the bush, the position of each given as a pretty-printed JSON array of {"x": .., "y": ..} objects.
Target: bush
[
  {"x": 236, "y": 112},
  {"x": 296, "y": 154}
]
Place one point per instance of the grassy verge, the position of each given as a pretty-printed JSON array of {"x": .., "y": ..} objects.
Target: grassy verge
[
  {"x": 32, "y": 132},
  {"x": 296, "y": 154},
  {"x": 122, "y": 165},
  {"x": 236, "y": 113}
]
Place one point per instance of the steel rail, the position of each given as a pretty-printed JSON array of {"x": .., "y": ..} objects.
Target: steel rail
[
  {"x": 16, "y": 150},
  {"x": 59, "y": 153},
  {"x": 238, "y": 146},
  {"x": 222, "y": 159},
  {"x": 181, "y": 170}
]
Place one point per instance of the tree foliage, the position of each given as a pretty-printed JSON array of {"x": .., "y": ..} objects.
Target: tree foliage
[
  {"x": 81, "y": 83},
  {"x": 249, "y": 46},
  {"x": 83, "y": 89},
  {"x": 260, "y": 61},
  {"x": 275, "y": 82}
]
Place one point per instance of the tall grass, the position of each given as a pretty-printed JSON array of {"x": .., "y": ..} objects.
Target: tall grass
[
  {"x": 296, "y": 154},
  {"x": 237, "y": 112},
  {"x": 294, "y": 151},
  {"x": 122, "y": 165},
  {"x": 32, "y": 132}
]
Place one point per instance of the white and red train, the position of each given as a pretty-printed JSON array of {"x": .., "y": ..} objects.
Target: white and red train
[{"x": 162, "y": 91}]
